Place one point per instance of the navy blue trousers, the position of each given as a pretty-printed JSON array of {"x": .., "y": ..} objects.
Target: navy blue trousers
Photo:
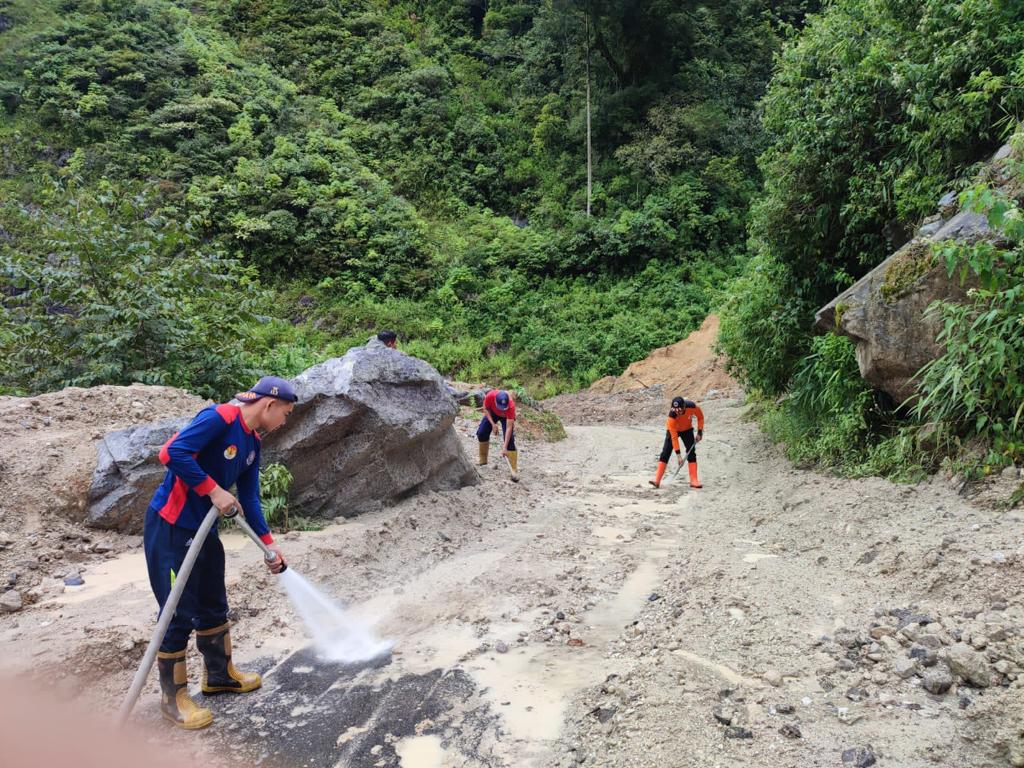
[
  {"x": 204, "y": 603},
  {"x": 483, "y": 432}
]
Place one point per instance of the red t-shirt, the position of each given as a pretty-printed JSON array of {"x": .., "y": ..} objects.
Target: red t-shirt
[{"x": 491, "y": 404}]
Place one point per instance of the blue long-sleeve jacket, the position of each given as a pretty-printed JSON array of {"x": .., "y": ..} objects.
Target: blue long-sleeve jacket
[{"x": 216, "y": 448}]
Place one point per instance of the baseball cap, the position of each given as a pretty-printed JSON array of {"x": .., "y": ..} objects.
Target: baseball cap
[
  {"x": 269, "y": 386},
  {"x": 501, "y": 399}
]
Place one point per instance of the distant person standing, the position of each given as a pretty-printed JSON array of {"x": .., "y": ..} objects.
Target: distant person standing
[
  {"x": 499, "y": 407},
  {"x": 383, "y": 339},
  {"x": 680, "y": 424}
]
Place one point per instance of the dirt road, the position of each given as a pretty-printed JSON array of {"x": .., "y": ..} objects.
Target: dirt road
[{"x": 775, "y": 617}]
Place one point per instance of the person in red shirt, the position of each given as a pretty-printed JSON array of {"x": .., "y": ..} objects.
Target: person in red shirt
[
  {"x": 219, "y": 449},
  {"x": 680, "y": 424},
  {"x": 499, "y": 407}
]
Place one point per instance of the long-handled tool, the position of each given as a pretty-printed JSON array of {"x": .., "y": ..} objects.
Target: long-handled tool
[
  {"x": 684, "y": 459},
  {"x": 181, "y": 578}
]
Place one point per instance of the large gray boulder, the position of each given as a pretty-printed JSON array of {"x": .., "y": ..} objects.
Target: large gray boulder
[
  {"x": 370, "y": 428},
  {"x": 128, "y": 471},
  {"x": 884, "y": 311}
]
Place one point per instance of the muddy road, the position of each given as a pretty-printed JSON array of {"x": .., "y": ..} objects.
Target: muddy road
[{"x": 580, "y": 617}]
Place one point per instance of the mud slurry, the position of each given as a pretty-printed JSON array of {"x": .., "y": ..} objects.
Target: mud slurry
[
  {"x": 492, "y": 692},
  {"x": 320, "y": 715}
]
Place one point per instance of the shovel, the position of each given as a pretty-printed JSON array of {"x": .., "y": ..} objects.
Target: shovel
[
  {"x": 685, "y": 459},
  {"x": 167, "y": 613}
]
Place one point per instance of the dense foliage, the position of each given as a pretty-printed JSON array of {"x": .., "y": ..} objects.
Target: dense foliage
[
  {"x": 194, "y": 193},
  {"x": 420, "y": 165},
  {"x": 872, "y": 111},
  {"x": 977, "y": 387},
  {"x": 108, "y": 293}
]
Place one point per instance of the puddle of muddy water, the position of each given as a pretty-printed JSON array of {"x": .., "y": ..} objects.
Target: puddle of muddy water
[
  {"x": 613, "y": 535},
  {"x": 532, "y": 686},
  {"x": 421, "y": 752},
  {"x": 129, "y": 569},
  {"x": 108, "y": 577}
]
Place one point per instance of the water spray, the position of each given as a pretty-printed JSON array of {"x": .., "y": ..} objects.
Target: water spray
[{"x": 336, "y": 637}]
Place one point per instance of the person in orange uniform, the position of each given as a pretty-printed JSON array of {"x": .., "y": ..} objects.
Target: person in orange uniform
[{"x": 680, "y": 424}]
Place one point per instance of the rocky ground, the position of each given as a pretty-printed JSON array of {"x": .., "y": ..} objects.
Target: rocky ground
[{"x": 775, "y": 617}]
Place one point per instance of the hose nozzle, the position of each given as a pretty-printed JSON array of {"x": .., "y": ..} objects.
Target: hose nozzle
[{"x": 271, "y": 557}]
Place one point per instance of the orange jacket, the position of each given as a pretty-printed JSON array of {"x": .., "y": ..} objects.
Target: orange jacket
[{"x": 681, "y": 420}]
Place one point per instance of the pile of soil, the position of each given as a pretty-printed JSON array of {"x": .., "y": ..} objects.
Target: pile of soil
[
  {"x": 689, "y": 368},
  {"x": 47, "y": 455}
]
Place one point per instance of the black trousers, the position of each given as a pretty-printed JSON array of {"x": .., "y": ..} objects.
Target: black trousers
[{"x": 688, "y": 442}]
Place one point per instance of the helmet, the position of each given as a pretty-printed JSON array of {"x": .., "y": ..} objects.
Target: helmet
[
  {"x": 502, "y": 399},
  {"x": 678, "y": 402}
]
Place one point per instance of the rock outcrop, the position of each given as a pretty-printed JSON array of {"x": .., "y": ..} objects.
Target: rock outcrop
[{"x": 884, "y": 312}]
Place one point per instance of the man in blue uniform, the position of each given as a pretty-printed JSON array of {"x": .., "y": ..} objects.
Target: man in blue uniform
[{"x": 219, "y": 449}]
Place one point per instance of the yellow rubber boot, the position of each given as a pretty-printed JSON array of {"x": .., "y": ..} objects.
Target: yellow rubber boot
[
  {"x": 175, "y": 704},
  {"x": 513, "y": 463},
  {"x": 660, "y": 473},
  {"x": 219, "y": 674},
  {"x": 484, "y": 448}
]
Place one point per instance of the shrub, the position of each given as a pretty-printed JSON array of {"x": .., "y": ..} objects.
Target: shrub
[{"x": 118, "y": 296}]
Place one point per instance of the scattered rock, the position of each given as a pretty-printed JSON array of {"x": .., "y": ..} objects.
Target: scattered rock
[
  {"x": 73, "y": 580},
  {"x": 773, "y": 677},
  {"x": 10, "y": 601},
  {"x": 937, "y": 680},
  {"x": 926, "y": 656},
  {"x": 790, "y": 731},
  {"x": 738, "y": 732},
  {"x": 859, "y": 757},
  {"x": 724, "y": 715},
  {"x": 968, "y": 664},
  {"x": 501, "y": 647},
  {"x": 904, "y": 668}
]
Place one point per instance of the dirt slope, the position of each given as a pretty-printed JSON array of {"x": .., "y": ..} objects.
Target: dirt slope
[
  {"x": 689, "y": 368},
  {"x": 47, "y": 455}
]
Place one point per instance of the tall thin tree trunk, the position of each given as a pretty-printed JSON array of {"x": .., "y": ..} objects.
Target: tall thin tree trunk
[{"x": 590, "y": 171}]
